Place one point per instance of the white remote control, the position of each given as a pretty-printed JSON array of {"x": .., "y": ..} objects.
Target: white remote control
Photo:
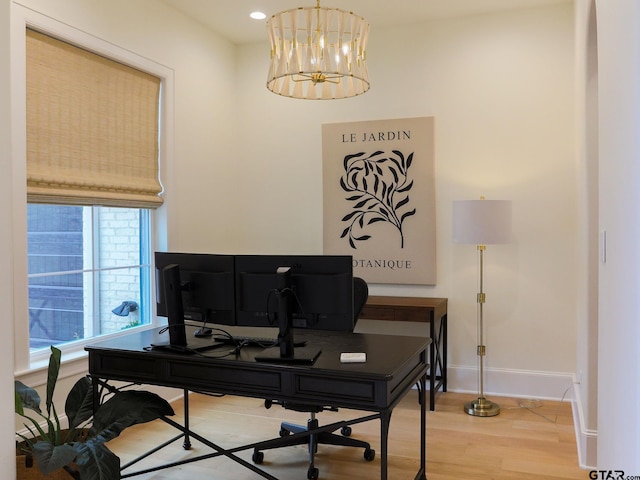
[{"x": 353, "y": 357}]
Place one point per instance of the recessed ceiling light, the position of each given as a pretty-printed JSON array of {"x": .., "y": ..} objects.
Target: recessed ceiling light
[{"x": 258, "y": 15}]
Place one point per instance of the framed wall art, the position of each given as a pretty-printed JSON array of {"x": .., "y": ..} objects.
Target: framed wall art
[{"x": 379, "y": 198}]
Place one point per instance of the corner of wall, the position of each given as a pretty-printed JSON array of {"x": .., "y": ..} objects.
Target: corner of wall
[{"x": 586, "y": 439}]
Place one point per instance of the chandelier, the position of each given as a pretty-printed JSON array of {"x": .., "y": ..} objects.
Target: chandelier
[{"x": 318, "y": 53}]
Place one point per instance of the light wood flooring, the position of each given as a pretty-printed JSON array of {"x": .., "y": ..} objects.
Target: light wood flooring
[{"x": 533, "y": 443}]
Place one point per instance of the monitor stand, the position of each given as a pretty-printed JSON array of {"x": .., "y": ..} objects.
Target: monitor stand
[
  {"x": 190, "y": 349},
  {"x": 175, "y": 316},
  {"x": 285, "y": 351}
]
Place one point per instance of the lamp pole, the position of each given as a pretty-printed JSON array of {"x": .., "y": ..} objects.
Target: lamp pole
[{"x": 481, "y": 406}]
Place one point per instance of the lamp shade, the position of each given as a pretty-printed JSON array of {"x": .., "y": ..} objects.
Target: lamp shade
[
  {"x": 482, "y": 222},
  {"x": 318, "y": 53}
]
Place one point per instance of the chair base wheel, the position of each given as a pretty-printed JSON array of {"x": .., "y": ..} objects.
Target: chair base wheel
[
  {"x": 313, "y": 473},
  {"x": 258, "y": 457},
  {"x": 369, "y": 454}
]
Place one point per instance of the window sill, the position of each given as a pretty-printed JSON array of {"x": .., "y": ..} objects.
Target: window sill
[
  {"x": 74, "y": 360},
  {"x": 73, "y": 364}
]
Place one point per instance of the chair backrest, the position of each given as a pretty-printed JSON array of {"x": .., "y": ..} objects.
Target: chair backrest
[{"x": 360, "y": 295}]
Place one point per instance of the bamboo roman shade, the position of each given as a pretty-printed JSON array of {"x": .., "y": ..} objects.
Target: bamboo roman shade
[{"x": 92, "y": 128}]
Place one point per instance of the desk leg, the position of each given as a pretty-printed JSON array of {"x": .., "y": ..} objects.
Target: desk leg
[
  {"x": 433, "y": 364},
  {"x": 187, "y": 440},
  {"x": 443, "y": 335},
  {"x": 422, "y": 473},
  {"x": 385, "y": 420},
  {"x": 96, "y": 394},
  {"x": 437, "y": 357}
]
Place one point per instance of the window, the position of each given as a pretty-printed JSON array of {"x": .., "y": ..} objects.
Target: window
[
  {"x": 92, "y": 184},
  {"x": 89, "y": 271}
]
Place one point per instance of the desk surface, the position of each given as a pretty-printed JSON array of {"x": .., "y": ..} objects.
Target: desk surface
[
  {"x": 403, "y": 308},
  {"x": 393, "y": 364}
]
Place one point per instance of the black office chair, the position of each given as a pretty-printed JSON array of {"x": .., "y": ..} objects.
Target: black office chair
[{"x": 360, "y": 295}]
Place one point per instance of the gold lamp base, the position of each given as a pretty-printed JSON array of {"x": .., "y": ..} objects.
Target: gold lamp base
[{"x": 481, "y": 407}]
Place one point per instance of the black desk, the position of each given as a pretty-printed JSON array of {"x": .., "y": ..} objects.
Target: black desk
[{"x": 394, "y": 364}]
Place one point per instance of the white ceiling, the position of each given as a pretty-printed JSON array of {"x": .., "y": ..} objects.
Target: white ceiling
[{"x": 231, "y": 19}]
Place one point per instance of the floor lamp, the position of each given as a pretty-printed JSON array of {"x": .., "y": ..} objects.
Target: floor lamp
[{"x": 481, "y": 222}]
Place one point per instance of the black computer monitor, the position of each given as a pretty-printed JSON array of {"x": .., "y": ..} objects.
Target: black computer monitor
[
  {"x": 322, "y": 289},
  {"x": 206, "y": 284}
]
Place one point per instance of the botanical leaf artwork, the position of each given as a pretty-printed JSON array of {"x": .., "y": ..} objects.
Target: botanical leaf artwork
[{"x": 378, "y": 186}]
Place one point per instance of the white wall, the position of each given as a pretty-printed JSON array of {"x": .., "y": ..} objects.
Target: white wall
[
  {"x": 501, "y": 90},
  {"x": 619, "y": 329},
  {"x": 6, "y": 290},
  {"x": 586, "y": 411}
]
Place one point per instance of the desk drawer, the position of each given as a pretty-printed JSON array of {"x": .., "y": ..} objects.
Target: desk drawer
[
  {"x": 377, "y": 313},
  {"x": 315, "y": 388},
  {"x": 231, "y": 380},
  {"x": 120, "y": 367},
  {"x": 394, "y": 314}
]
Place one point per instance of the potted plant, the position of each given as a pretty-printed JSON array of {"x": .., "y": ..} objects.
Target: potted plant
[{"x": 80, "y": 449}]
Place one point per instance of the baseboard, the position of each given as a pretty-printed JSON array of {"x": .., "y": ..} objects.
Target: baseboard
[
  {"x": 586, "y": 439},
  {"x": 512, "y": 383}
]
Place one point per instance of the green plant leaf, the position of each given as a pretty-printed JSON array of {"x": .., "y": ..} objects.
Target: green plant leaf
[
  {"x": 127, "y": 408},
  {"x": 51, "y": 457},
  {"x": 96, "y": 462},
  {"x": 52, "y": 376},
  {"x": 26, "y": 397},
  {"x": 79, "y": 404}
]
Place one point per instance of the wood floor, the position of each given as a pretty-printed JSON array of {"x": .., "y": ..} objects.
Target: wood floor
[{"x": 527, "y": 441}]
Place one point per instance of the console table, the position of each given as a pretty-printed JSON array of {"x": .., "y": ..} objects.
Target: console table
[{"x": 418, "y": 309}]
